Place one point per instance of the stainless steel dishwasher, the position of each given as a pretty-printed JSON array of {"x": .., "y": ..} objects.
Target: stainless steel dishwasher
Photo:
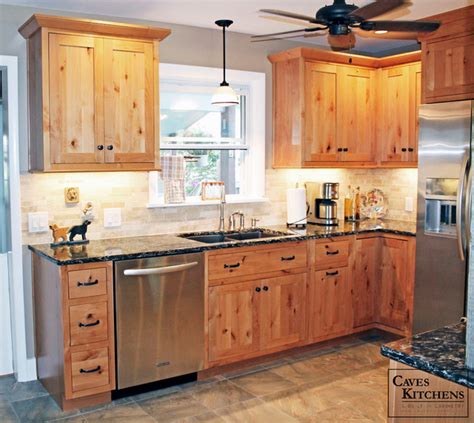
[{"x": 159, "y": 306}]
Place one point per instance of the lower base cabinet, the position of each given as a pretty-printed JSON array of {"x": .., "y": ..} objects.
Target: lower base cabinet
[{"x": 255, "y": 317}]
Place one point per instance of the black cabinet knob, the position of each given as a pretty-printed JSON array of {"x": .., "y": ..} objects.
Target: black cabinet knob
[
  {"x": 345, "y": 149},
  {"x": 404, "y": 149},
  {"x": 258, "y": 289},
  {"x": 411, "y": 150},
  {"x": 265, "y": 288},
  {"x": 100, "y": 147},
  {"x": 339, "y": 149},
  {"x": 110, "y": 147}
]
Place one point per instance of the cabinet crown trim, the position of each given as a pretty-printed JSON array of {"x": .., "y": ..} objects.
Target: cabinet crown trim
[{"x": 38, "y": 21}]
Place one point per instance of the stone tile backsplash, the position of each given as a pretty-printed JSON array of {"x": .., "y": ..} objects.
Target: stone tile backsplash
[{"x": 129, "y": 191}]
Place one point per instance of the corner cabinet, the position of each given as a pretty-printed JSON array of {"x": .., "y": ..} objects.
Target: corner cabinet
[
  {"x": 93, "y": 94},
  {"x": 334, "y": 110}
]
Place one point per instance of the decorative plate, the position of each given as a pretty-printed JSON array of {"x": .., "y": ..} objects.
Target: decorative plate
[{"x": 374, "y": 204}]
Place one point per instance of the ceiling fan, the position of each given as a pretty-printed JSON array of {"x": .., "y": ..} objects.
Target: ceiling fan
[{"x": 341, "y": 19}]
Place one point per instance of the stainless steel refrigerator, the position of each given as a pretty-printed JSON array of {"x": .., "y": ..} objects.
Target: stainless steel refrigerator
[{"x": 443, "y": 217}]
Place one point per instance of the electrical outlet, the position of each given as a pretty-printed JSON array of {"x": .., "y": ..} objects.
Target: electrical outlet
[
  {"x": 112, "y": 218},
  {"x": 409, "y": 204},
  {"x": 38, "y": 222}
]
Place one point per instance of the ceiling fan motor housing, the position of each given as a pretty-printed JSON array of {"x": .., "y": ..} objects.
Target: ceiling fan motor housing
[{"x": 336, "y": 13}]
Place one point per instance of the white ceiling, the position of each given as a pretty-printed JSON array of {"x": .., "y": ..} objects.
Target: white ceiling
[{"x": 244, "y": 13}]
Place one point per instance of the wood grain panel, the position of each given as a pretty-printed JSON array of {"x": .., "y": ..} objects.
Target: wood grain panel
[
  {"x": 89, "y": 361},
  {"x": 320, "y": 125},
  {"x": 87, "y": 283},
  {"x": 241, "y": 263},
  {"x": 365, "y": 278},
  {"x": 331, "y": 303},
  {"x": 283, "y": 311},
  {"x": 233, "y": 320},
  {"x": 88, "y": 314},
  {"x": 129, "y": 101},
  {"x": 75, "y": 98}
]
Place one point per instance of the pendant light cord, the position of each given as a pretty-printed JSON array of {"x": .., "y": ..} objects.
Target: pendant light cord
[{"x": 224, "y": 82}]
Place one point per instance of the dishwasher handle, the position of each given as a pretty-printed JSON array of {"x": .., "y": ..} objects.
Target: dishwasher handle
[{"x": 160, "y": 270}]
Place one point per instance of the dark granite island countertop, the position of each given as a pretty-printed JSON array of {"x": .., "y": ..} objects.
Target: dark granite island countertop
[
  {"x": 168, "y": 244},
  {"x": 441, "y": 352}
]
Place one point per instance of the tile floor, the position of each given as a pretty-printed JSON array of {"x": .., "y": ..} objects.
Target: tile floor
[{"x": 347, "y": 382}]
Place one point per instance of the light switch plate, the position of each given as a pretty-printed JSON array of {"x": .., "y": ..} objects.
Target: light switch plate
[
  {"x": 38, "y": 222},
  {"x": 409, "y": 204},
  {"x": 112, "y": 218}
]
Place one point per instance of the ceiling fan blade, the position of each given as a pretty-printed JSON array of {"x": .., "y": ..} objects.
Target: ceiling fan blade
[
  {"x": 291, "y": 15},
  {"x": 342, "y": 42},
  {"x": 258, "y": 40},
  {"x": 295, "y": 31},
  {"x": 387, "y": 35},
  {"x": 400, "y": 26},
  {"x": 378, "y": 7}
]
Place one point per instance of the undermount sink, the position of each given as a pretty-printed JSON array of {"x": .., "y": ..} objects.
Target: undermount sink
[{"x": 215, "y": 238}]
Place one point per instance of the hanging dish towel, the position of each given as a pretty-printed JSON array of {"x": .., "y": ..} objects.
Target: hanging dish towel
[{"x": 172, "y": 168}]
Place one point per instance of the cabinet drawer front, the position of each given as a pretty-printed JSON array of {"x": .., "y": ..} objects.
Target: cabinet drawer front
[
  {"x": 87, "y": 282},
  {"x": 88, "y": 323},
  {"x": 332, "y": 254},
  {"x": 90, "y": 369},
  {"x": 255, "y": 262}
]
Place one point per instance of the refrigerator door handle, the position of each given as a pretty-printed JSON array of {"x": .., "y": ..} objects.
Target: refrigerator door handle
[
  {"x": 460, "y": 209},
  {"x": 467, "y": 209}
]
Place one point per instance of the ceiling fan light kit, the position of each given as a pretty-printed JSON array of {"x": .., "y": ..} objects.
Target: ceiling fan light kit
[
  {"x": 342, "y": 20},
  {"x": 224, "y": 95}
]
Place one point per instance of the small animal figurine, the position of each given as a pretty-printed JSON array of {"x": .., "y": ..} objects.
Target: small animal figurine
[
  {"x": 59, "y": 233},
  {"x": 79, "y": 230},
  {"x": 87, "y": 213}
]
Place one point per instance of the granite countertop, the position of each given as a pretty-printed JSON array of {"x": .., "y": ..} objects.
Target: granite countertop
[
  {"x": 168, "y": 244},
  {"x": 441, "y": 352}
]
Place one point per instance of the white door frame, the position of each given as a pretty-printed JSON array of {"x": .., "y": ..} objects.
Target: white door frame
[{"x": 24, "y": 367}]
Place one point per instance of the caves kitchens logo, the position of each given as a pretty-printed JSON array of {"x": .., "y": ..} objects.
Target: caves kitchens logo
[{"x": 417, "y": 394}]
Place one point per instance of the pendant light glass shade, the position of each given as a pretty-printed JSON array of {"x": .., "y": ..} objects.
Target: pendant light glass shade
[{"x": 224, "y": 95}]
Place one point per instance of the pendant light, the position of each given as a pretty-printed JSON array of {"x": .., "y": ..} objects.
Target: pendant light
[{"x": 224, "y": 95}]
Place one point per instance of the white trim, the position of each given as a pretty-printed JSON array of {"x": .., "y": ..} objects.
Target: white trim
[
  {"x": 196, "y": 201},
  {"x": 255, "y": 163},
  {"x": 6, "y": 346},
  {"x": 24, "y": 367}
]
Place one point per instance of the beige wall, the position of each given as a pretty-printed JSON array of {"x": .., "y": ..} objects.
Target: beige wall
[{"x": 129, "y": 191}]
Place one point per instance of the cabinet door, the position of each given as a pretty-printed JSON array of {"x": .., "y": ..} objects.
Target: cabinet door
[
  {"x": 331, "y": 310},
  {"x": 365, "y": 276},
  {"x": 233, "y": 320},
  {"x": 415, "y": 101},
  {"x": 396, "y": 113},
  {"x": 129, "y": 101},
  {"x": 356, "y": 114},
  {"x": 448, "y": 69},
  {"x": 320, "y": 128},
  {"x": 395, "y": 290},
  {"x": 283, "y": 310},
  {"x": 75, "y": 99}
]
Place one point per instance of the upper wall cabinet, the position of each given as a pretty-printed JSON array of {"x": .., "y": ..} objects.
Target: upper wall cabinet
[
  {"x": 448, "y": 58},
  {"x": 326, "y": 109},
  {"x": 93, "y": 94}
]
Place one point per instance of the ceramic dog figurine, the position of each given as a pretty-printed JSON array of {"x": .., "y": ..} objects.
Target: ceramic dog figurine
[
  {"x": 79, "y": 230},
  {"x": 59, "y": 233}
]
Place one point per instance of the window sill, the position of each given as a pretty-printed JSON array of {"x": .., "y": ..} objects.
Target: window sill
[{"x": 193, "y": 202}]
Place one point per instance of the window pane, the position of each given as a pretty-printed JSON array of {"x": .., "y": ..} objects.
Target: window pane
[
  {"x": 211, "y": 166},
  {"x": 188, "y": 117}
]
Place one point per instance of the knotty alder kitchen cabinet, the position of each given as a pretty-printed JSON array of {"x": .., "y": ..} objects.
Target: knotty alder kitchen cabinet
[
  {"x": 93, "y": 94},
  {"x": 74, "y": 324},
  {"x": 333, "y": 109}
]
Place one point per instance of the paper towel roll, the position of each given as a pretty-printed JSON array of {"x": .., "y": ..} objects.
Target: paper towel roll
[{"x": 296, "y": 206}]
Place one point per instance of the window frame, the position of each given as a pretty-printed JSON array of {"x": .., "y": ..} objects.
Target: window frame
[{"x": 253, "y": 187}]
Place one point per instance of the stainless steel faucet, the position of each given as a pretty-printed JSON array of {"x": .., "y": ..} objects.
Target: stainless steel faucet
[
  {"x": 222, "y": 210},
  {"x": 232, "y": 224}
]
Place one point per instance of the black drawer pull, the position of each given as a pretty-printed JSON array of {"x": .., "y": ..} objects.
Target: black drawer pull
[
  {"x": 265, "y": 288},
  {"x": 332, "y": 273},
  {"x": 88, "y": 325},
  {"x": 258, "y": 289},
  {"x": 332, "y": 253},
  {"x": 97, "y": 369},
  {"x": 231, "y": 266},
  {"x": 288, "y": 258},
  {"x": 88, "y": 283}
]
